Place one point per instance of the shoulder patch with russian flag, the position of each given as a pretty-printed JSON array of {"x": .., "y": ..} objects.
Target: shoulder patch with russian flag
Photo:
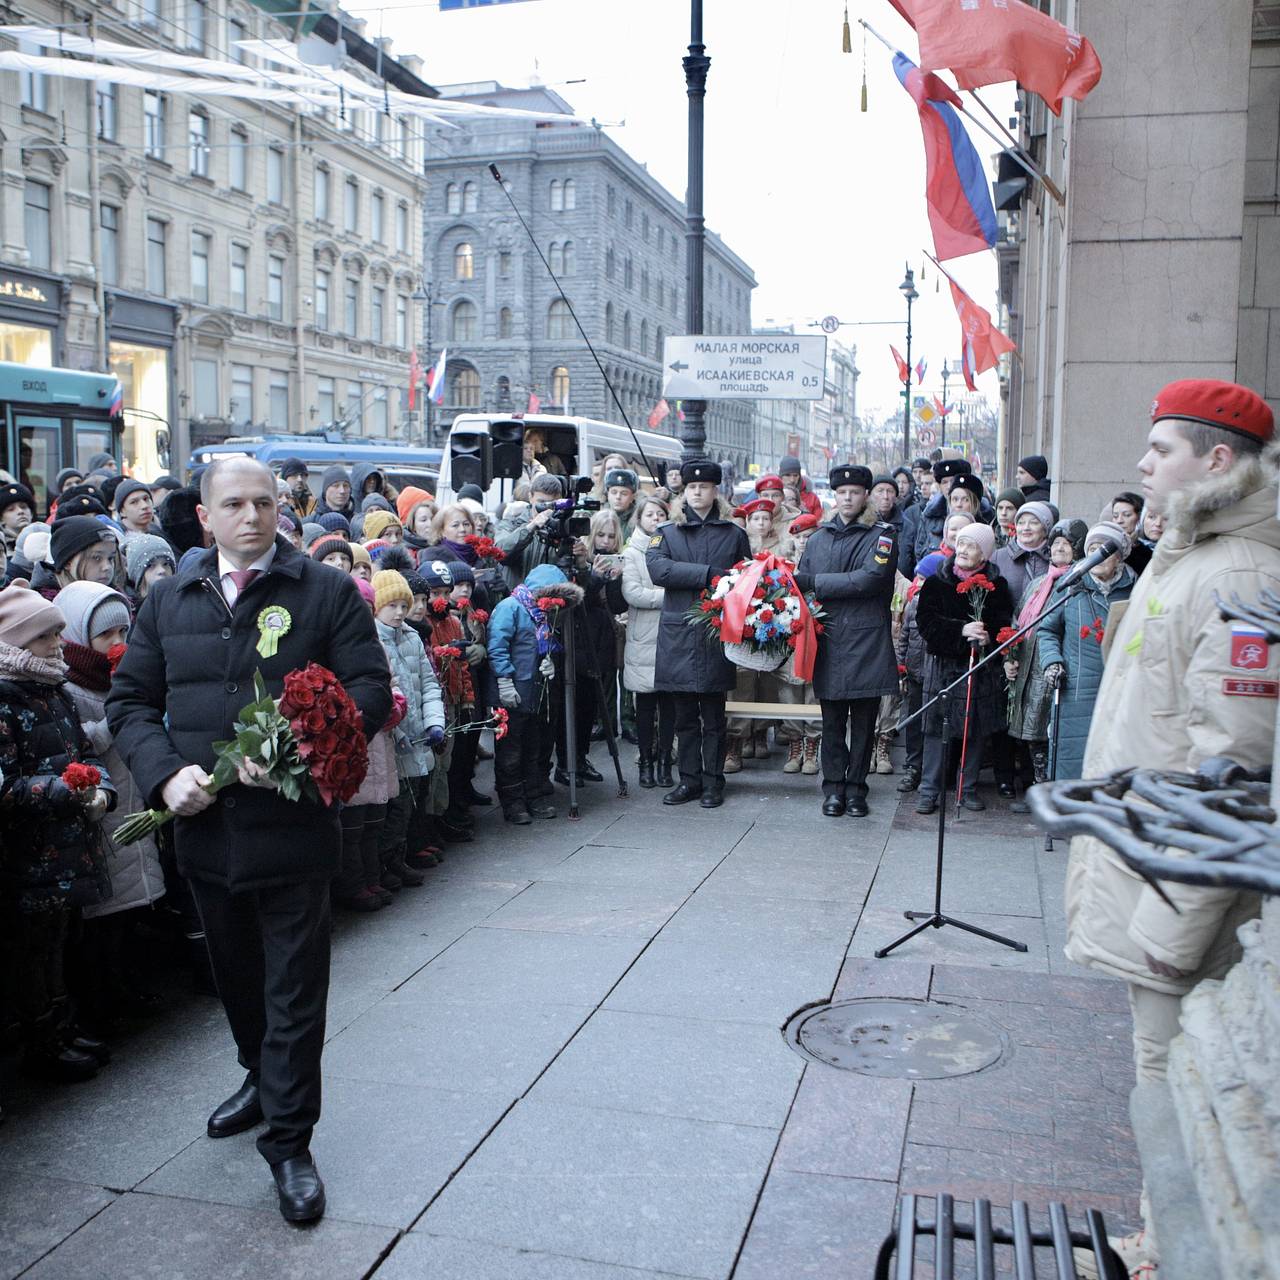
[
  {"x": 1249, "y": 648},
  {"x": 884, "y": 544}
]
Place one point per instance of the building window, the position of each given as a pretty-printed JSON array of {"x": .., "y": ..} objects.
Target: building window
[
  {"x": 351, "y": 205},
  {"x": 198, "y": 144},
  {"x": 275, "y": 286},
  {"x": 378, "y": 217},
  {"x": 107, "y": 113},
  {"x": 644, "y": 227},
  {"x": 628, "y": 214},
  {"x": 611, "y": 202},
  {"x": 661, "y": 238},
  {"x": 644, "y": 283},
  {"x": 196, "y": 24},
  {"x": 351, "y": 306},
  {"x": 326, "y": 400},
  {"x": 504, "y": 264},
  {"x": 36, "y": 205},
  {"x": 275, "y": 175},
  {"x": 322, "y": 298},
  {"x": 156, "y": 253},
  {"x": 570, "y": 194},
  {"x": 235, "y": 34},
  {"x": 505, "y": 325},
  {"x": 658, "y": 342},
  {"x": 610, "y": 263},
  {"x": 239, "y": 160},
  {"x": 470, "y": 197},
  {"x": 628, "y": 274},
  {"x": 502, "y": 385},
  {"x": 381, "y": 422},
  {"x": 559, "y": 320},
  {"x": 204, "y": 377},
  {"x": 464, "y": 262},
  {"x": 608, "y": 322},
  {"x": 239, "y": 277},
  {"x": 560, "y": 385},
  {"x": 402, "y": 320},
  {"x": 320, "y": 193},
  {"x": 644, "y": 337},
  {"x": 241, "y": 395},
  {"x": 278, "y": 401},
  {"x": 463, "y": 322},
  {"x": 626, "y": 330},
  {"x": 200, "y": 242},
  {"x": 402, "y": 228},
  {"x": 109, "y": 242},
  {"x": 153, "y": 106},
  {"x": 557, "y": 196},
  {"x": 453, "y": 198},
  {"x": 556, "y": 258},
  {"x": 377, "y": 309},
  {"x": 355, "y": 407},
  {"x": 35, "y": 87},
  {"x": 149, "y": 12},
  {"x": 570, "y": 258},
  {"x": 466, "y": 388}
]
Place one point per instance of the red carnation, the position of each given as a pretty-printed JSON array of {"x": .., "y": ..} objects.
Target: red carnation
[
  {"x": 81, "y": 777},
  {"x": 440, "y": 606},
  {"x": 766, "y": 615},
  {"x": 796, "y": 626},
  {"x": 1084, "y": 632},
  {"x": 1005, "y": 633},
  {"x": 480, "y": 616}
]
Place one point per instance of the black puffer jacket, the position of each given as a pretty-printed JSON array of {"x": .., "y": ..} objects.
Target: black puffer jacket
[
  {"x": 853, "y": 568},
  {"x": 188, "y": 673},
  {"x": 682, "y": 558},
  {"x": 49, "y": 853}
]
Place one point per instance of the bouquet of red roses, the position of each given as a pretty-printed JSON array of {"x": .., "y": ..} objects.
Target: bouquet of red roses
[
  {"x": 309, "y": 743},
  {"x": 485, "y": 548}
]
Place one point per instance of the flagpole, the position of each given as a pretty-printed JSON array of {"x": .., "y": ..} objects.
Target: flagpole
[{"x": 1019, "y": 155}]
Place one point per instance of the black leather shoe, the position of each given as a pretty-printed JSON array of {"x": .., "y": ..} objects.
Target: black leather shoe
[
  {"x": 82, "y": 1042},
  {"x": 541, "y": 807},
  {"x": 241, "y": 1111},
  {"x": 587, "y": 772},
  {"x": 300, "y": 1189},
  {"x": 682, "y": 794},
  {"x": 712, "y": 799},
  {"x": 1019, "y": 806},
  {"x": 833, "y": 807},
  {"x": 516, "y": 813},
  {"x": 662, "y": 774},
  {"x": 973, "y": 801},
  {"x": 472, "y": 796},
  {"x": 857, "y": 809},
  {"x": 646, "y": 775},
  {"x": 1007, "y": 790}
]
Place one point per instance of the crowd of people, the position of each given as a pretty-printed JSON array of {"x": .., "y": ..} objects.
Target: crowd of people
[{"x": 448, "y": 620}]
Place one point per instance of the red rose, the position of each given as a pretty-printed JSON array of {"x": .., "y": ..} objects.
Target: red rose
[
  {"x": 315, "y": 720},
  {"x": 766, "y": 615},
  {"x": 327, "y": 742},
  {"x": 81, "y": 777},
  {"x": 303, "y": 697},
  {"x": 796, "y": 626}
]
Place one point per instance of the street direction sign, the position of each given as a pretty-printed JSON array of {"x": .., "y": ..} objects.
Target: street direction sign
[
  {"x": 926, "y": 436},
  {"x": 830, "y": 324},
  {"x": 768, "y": 366}
]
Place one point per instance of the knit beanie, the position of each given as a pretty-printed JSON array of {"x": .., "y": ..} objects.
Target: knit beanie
[
  {"x": 388, "y": 587},
  {"x": 327, "y": 547},
  {"x": 928, "y": 565},
  {"x": 126, "y": 489},
  {"x": 142, "y": 551},
  {"x": 359, "y": 555},
  {"x": 366, "y": 592},
  {"x": 311, "y": 532},
  {"x": 1075, "y": 531},
  {"x": 473, "y": 491},
  {"x": 334, "y": 522},
  {"x": 1109, "y": 529},
  {"x": 63, "y": 476},
  {"x": 376, "y": 523},
  {"x": 983, "y": 535},
  {"x": 90, "y": 608},
  {"x": 410, "y": 497},
  {"x": 461, "y": 572},
  {"x": 25, "y": 614},
  {"x": 335, "y": 474},
  {"x": 374, "y": 502},
  {"x": 73, "y": 535},
  {"x": 292, "y": 467},
  {"x": 101, "y": 459},
  {"x": 1036, "y": 465},
  {"x": 417, "y": 584},
  {"x": 436, "y": 573},
  {"x": 1016, "y": 496},
  {"x": 1042, "y": 512}
]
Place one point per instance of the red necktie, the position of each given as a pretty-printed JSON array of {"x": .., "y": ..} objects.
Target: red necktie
[{"x": 242, "y": 577}]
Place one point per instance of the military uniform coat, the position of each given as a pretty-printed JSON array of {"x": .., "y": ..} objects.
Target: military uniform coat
[
  {"x": 683, "y": 556},
  {"x": 853, "y": 567}
]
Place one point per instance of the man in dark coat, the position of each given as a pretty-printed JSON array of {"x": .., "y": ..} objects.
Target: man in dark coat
[
  {"x": 1033, "y": 478},
  {"x": 849, "y": 562},
  {"x": 699, "y": 542},
  {"x": 259, "y": 867}
]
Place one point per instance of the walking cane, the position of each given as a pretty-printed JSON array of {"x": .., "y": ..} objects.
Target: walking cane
[
  {"x": 1053, "y": 748},
  {"x": 964, "y": 737}
]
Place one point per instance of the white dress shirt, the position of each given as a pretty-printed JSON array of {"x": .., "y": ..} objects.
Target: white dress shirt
[{"x": 230, "y": 591}]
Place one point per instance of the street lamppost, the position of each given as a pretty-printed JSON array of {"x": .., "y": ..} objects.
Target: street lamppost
[
  {"x": 946, "y": 373},
  {"x": 425, "y": 293},
  {"x": 693, "y": 430},
  {"x": 908, "y": 290}
]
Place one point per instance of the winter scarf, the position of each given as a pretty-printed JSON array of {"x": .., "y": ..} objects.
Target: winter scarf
[
  {"x": 547, "y": 642},
  {"x": 459, "y": 551},
  {"x": 87, "y": 667},
  {"x": 1035, "y": 606},
  {"x": 21, "y": 664}
]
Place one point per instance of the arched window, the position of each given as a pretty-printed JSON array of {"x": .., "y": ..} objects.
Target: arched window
[
  {"x": 465, "y": 388},
  {"x": 555, "y": 256},
  {"x": 505, "y": 324},
  {"x": 608, "y": 321},
  {"x": 658, "y": 342},
  {"x": 610, "y": 263},
  {"x": 470, "y": 198},
  {"x": 628, "y": 273},
  {"x": 570, "y": 194},
  {"x": 560, "y": 385},
  {"x": 453, "y": 198},
  {"x": 557, "y": 196},
  {"x": 462, "y": 324},
  {"x": 464, "y": 262},
  {"x": 559, "y": 320},
  {"x": 644, "y": 337},
  {"x": 503, "y": 388},
  {"x": 570, "y": 257},
  {"x": 626, "y": 330}
]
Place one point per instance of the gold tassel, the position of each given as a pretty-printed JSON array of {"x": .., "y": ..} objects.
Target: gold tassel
[
  {"x": 864, "y": 95},
  {"x": 864, "y": 57},
  {"x": 848, "y": 36}
]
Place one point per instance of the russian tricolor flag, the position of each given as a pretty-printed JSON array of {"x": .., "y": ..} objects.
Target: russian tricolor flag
[{"x": 961, "y": 214}]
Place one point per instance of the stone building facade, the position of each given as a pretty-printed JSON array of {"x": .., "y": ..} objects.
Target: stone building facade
[
  {"x": 241, "y": 266},
  {"x": 613, "y": 235}
]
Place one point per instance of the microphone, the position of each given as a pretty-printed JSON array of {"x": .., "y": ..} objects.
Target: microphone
[{"x": 1108, "y": 547}]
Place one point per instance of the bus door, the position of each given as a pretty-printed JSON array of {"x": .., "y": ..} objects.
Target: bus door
[
  {"x": 38, "y": 455},
  {"x": 90, "y": 436}
]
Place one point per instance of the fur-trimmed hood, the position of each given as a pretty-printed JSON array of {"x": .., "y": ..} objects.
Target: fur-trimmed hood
[
  {"x": 1228, "y": 503},
  {"x": 865, "y": 520},
  {"x": 721, "y": 511}
]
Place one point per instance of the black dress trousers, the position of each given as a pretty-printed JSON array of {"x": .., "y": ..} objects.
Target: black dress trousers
[
  {"x": 702, "y": 736},
  {"x": 848, "y": 739},
  {"x": 270, "y": 954}
]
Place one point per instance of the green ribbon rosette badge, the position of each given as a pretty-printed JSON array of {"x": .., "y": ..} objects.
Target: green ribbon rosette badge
[{"x": 273, "y": 622}]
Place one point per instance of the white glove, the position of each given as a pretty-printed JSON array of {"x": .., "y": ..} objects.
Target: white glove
[{"x": 508, "y": 694}]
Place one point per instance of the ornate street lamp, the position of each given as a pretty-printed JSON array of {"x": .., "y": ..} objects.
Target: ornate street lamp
[{"x": 908, "y": 290}]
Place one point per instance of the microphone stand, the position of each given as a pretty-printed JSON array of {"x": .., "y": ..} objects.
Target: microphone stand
[{"x": 936, "y": 918}]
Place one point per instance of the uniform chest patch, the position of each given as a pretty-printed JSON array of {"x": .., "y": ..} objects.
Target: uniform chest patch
[
  {"x": 884, "y": 545},
  {"x": 656, "y": 540},
  {"x": 1249, "y": 648}
]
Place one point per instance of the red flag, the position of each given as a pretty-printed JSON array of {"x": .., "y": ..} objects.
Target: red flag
[
  {"x": 415, "y": 371},
  {"x": 534, "y": 403},
  {"x": 659, "y": 413},
  {"x": 983, "y": 344},
  {"x": 943, "y": 409},
  {"x": 904, "y": 373},
  {"x": 991, "y": 41}
]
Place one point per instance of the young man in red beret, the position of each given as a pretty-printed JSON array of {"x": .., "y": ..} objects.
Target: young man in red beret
[{"x": 1181, "y": 685}]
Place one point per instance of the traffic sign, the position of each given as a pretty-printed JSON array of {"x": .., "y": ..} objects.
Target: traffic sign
[
  {"x": 830, "y": 324},
  {"x": 767, "y": 366},
  {"x": 925, "y": 413},
  {"x": 926, "y": 436}
]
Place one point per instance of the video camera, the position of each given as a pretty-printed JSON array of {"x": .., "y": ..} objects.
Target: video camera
[{"x": 571, "y": 516}]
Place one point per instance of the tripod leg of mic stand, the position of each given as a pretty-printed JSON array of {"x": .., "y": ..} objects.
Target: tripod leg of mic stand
[
  {"x": 570, "y": 723},
  {"x": 606, "y": 723},
  {"x": 982, "y": 933}
]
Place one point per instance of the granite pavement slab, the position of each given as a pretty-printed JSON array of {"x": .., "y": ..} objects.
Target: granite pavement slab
[{"x": 36, "y": 1214}]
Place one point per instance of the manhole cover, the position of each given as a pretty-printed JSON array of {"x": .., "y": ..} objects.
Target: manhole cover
[{"x": 911, "y": 1039}]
